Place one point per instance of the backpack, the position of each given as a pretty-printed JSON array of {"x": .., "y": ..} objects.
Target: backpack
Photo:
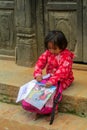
[{"x": 45, "y": 110}]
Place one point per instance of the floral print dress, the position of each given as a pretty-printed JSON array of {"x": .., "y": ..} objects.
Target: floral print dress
[{"x": 58, "y": 66}]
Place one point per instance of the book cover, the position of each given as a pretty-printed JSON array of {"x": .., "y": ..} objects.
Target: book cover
[{"x": 39, "y": 95}]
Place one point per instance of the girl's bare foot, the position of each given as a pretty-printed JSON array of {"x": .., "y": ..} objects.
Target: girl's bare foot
[{"x": 37, "y": 116}]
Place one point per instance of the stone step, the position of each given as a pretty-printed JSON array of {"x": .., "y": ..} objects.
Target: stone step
[
  {"x": 80, "y": 66},
  {"x": 13, "y": 76},
  {"x": 13, "y": 117},
  {"x": 7, "y": 57}
]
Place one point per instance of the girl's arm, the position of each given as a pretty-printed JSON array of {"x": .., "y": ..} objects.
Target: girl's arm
[
  {"x": 40, "y": 64},
  {"x": 65, "y": 68}
]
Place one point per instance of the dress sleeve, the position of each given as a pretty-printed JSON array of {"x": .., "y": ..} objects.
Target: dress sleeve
[
  {"x": 40, "y": 64},
  {"x": 63, "y": 71}
]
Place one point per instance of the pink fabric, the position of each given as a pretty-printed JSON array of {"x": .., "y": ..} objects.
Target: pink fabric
[
  {"x": 29, "y": 107},
  {"x": 59, "y": 66}
]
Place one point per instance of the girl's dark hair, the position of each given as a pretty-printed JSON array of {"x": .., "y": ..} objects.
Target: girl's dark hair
[{"x": 57, "y": 37}]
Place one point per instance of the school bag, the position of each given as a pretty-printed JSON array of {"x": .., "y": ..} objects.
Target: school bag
[{"x": 45, "y": 109}]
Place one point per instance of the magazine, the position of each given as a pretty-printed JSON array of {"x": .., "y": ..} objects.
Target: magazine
[{"x": 39, "y": 95}]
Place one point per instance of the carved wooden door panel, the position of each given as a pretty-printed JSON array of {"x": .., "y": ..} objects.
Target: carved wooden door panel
[
  {"x": 66, "y": 15},
  {"x": 7, "y": 30},
  {"x": 85, "y": 31}
]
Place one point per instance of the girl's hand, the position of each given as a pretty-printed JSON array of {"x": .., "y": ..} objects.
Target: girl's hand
[
  {"x": 39, "y": 78},
  {"x": 48, "y": 85}
]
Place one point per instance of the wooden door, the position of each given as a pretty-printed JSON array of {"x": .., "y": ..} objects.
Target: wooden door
[
  {"x": 66, "y": 15},
  {"x": 7, "y": 29},
  {"x": 85, "y": 31}
]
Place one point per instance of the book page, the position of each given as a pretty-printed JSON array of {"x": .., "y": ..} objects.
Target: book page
[{"x": 25, "y": 90}]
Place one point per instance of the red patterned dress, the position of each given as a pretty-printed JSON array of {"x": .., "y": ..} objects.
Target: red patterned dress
[{"x": 58, "y": 66}]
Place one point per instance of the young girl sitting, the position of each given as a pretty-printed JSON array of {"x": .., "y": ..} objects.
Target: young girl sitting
[{"x": 58, "y": 62}]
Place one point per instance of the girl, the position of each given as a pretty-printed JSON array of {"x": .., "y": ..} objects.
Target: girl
[{"x": 58, "y": 62}]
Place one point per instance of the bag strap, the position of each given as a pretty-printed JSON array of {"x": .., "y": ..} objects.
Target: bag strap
[{"x": 56, "y": 101}]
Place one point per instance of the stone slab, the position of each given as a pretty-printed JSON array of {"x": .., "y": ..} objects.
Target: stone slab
[
  {"x": 13, "y": 76},
  {"x": 13, "y": 117}
]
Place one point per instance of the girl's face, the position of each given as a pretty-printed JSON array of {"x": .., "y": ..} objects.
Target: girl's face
[{"x": 53, "y": 49}]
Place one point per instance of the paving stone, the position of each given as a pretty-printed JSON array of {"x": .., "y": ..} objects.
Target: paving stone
[{"x": 13, "y": 117}]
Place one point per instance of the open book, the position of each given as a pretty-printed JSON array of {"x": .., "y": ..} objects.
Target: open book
[{"x": 35, "y": 93}]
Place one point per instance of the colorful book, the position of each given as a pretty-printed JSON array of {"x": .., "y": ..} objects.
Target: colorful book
[{"x": 39, "y": 95}]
